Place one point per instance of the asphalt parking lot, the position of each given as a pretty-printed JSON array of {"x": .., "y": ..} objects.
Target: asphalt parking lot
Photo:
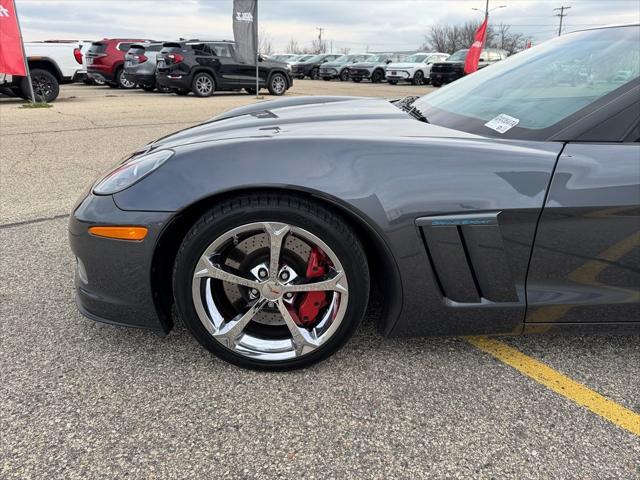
[{"x": 84, "y": 400}]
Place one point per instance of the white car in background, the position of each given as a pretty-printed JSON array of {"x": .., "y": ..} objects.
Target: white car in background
[
  {"x": 51, "y": 64},
  {"x": 415, "y": 68}
]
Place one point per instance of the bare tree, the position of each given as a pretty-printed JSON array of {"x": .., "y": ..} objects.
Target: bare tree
[
  {"x": 264, "y": 43},
  {"x": 345, "y": 50},
  {"x": 318, "y": 46},
  {"x": 449, "y": 38},
  {"x": 507, "y": 40},
  {"x": 292, "y": 46}
]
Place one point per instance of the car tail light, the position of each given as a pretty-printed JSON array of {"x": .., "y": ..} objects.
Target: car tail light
[
  {"x": 141, "y": 58},
  {"x": 175, "y": 57},
  {"x": 78, "y": 54}
]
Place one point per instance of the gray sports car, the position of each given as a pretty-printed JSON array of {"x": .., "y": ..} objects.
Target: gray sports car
[{"x": 505, "y": 203}]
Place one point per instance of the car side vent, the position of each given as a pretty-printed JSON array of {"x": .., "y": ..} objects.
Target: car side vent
[{"x": 468, "y": 257}]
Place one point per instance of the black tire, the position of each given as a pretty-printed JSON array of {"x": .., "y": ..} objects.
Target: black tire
[
  {"x": 292, "y": 210},
  {"x": 377, "y": 76},
  {"x": 182, "y": 93},
  {"x": 250, "y": 91},
  {"x": 278, "y": 84},
  {"x": 300, "y": 77},
  {"x": 314, "y": 74},
  {"x": 418, "y": 78},
  {"x": 45, "y": 86},
  {"x": 113, "y": 85},
  {"x": 344, "y": 75},
  {"x": 392, "y": 82},
  {"x": 122, "y": 82},
  {"x": 203, "y": 85}
]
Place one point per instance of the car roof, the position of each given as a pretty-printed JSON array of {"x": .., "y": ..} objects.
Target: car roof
[{"x": 612, "y": 25}]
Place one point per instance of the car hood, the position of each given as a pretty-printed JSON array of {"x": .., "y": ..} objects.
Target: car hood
[
  {"x": 403, "y": 65},
  {"x": 366, "y": 65},
  {"x": 333, "y": 65},
  {"x": 354, "y": 117}
]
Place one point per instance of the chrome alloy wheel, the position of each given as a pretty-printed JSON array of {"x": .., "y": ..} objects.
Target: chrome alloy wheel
[
  {"x": 204, "y": 85},
  {"x": 125, "y": 82},
  {"x": 255, "y": 291},
  {"x": 279, "y": 84}
]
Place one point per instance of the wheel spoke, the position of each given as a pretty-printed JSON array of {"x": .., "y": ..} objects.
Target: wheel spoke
[
  {"x": 206, "y": 268},
  {"x": 228, "y": 334},
  {"x": 335, "y": 282},
  {"x": 276, "y": 232},
  {"x": 303, "y": 342}
]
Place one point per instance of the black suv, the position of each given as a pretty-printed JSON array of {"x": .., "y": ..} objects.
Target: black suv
[
  {"x": 453, "y": 67},
  {"x": 311, "y": 67},
  {"x": 203, "y": 66}
]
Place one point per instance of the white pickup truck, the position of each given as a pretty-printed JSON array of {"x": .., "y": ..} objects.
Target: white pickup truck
[{"x": 51, "y": 64}]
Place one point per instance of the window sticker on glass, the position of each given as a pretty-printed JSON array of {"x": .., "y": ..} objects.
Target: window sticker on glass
[{"x": 502, "y": 123}]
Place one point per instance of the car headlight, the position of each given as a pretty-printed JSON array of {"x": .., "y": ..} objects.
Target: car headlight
[
  {"x": 131, "y": 172},
  {"x": 288, "y": 67}
]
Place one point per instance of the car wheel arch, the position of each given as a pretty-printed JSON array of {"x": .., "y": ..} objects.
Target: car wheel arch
[
  {"x": 45, "y": 63},
  {"x": 385, "y": 278},
  {"x": 283, "y": 73},
  {"x": 208, "y": 71}
]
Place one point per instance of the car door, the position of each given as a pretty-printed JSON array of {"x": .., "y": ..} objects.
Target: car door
[
  {"x": 585, "y": 265},
  {"x": 230, "y": 70}
]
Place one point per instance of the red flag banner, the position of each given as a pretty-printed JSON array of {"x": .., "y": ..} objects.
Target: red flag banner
[
  {"x": 11, "y": 53},
  {"x": 473, "y": 55}
]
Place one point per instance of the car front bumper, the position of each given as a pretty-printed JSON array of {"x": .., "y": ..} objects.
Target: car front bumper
[
  {"x": 445, "y": 77},
  {"x": 328, "y": 73},
  {"x": 399, "y": 74},
  {"x": 113, "y": 277},
  {"x": 360, "y": 73}
]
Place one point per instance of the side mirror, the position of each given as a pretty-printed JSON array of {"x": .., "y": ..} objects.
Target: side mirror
[{"x": 388, "y": 62}]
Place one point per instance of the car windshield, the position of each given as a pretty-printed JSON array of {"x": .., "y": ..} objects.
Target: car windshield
[
  {"x": 378, "y": 58},
  {"x": 458, "y": 56},
  {"x": 416, "y": 58},
  {"x": 315, "y": 59},
  {"x": 541, "y": 86}
]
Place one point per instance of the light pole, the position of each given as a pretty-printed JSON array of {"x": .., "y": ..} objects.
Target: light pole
[{"x": 487, "y": 11}]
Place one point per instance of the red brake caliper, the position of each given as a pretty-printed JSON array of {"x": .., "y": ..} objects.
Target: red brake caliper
[{"x": 312, "y": 302}]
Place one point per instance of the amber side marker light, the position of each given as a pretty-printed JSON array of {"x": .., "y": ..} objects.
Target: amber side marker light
[{"x": 120, "y": 233}]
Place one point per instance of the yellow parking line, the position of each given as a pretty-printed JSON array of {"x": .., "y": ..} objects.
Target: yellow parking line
[{"x": 559, "y": 383}]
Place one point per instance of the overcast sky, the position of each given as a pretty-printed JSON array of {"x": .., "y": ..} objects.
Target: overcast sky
[{"x": 356, "y": 24}]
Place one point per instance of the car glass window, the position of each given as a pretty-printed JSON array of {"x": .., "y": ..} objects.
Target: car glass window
[
  {"x": 416, "y": 58},
  {"x": 221, "y": 50},
  {"x": 124, "y": 46},
  {"x": 97, "y": 48},
  {"x": 542, "y": 86}
]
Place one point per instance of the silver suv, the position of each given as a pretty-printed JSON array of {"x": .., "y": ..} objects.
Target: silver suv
[
  {"x": 341, "y": 66},
  {"x": 373, "y": 68},
  {"x": 140, "y": 65}
]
